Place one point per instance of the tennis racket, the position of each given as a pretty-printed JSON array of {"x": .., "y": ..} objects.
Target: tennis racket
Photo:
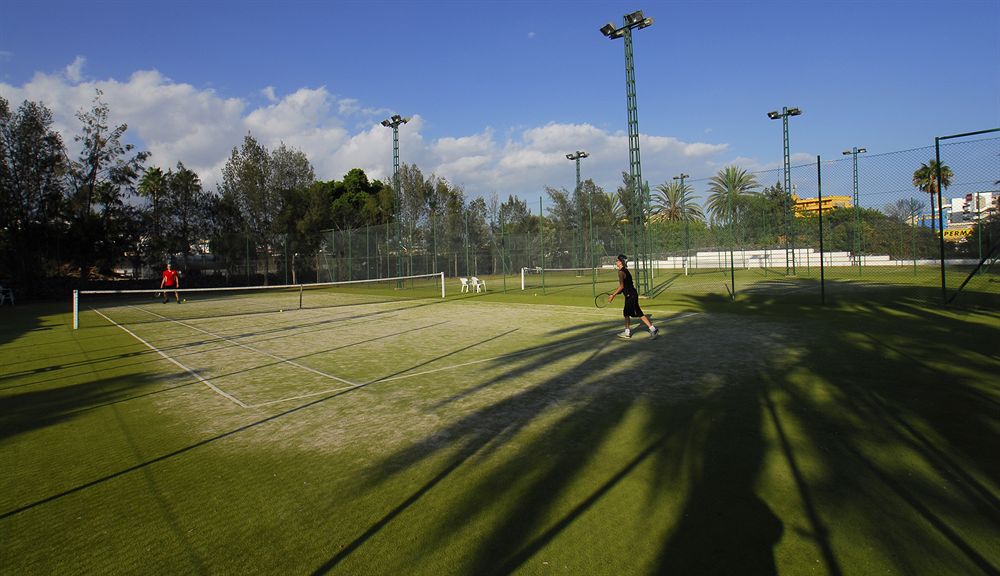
[{"x": 601, "y": 300}]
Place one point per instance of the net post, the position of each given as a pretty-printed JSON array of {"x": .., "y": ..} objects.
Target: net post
[
  {"x": 523, "y": 268},
  {"x": 300, "y": 296},
  {"x": 76, "y": 309},
  {"x": 442, "y": 284}
]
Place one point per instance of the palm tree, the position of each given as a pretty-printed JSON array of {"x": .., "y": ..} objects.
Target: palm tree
[
  {"x": 925, "y": 180},
  {"x": 153, "y": 186},
  {"x": 674, "y": 202},
  {"x": 727, "y": 191}
]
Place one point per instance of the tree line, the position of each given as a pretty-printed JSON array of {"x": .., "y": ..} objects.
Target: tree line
[{"x": 79, "y": 219}]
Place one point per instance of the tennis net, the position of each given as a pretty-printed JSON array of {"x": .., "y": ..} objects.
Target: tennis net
[
  {"x": 537, "y": 277},
  {"x": 139, "y": 306}
]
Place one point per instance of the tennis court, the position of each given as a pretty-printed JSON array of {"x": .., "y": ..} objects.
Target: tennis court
[
  {"x": 262, "y": 358},
  {"x": 476, "y": 434}
]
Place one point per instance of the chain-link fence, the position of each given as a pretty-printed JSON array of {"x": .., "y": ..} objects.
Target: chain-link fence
[{"x": 860, "y": 226}]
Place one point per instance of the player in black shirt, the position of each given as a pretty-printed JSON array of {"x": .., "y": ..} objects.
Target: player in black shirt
[{"x": 631, "y": 309}]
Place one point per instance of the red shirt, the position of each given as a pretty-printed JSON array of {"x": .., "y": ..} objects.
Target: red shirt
[{"x": 170, "y": 278}]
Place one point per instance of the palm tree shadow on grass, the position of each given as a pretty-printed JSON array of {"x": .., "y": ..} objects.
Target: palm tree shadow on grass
[
  {"x": 567, "y": 449},
  {"x": 885, "y": 416}
]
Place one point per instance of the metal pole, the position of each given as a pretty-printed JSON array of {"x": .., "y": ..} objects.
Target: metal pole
[
  {"x": 687, "y": 223},
  {"x": 637, "y": 211},
  {"x": 790, "y": 207},
  {"x": 576, "y": 198},
  {"x": 822, "y": 267},
  {"x": 590, "y": 244},
  {"x": 857, "y": 212},
  {"x": 937, "y": 158},
  {"x": 857, "y": 207},
  {"x": 541, "y": 242}
]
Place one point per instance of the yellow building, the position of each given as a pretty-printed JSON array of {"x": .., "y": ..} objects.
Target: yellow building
[{"x": 807, "y": 207}]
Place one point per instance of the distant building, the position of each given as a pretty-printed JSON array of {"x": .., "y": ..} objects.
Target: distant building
[
  {"x": 972, "y": 207},
  {"x": 963, "y": 212},
  {"x": 808, "y": 207}
]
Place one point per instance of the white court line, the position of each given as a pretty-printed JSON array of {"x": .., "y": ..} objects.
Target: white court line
[
  {"x": 510, "y": 355},
  {"x": 453, "y": 367},
  {"x": 257, "y": 350},
  {"x": 175, "y": 362}
]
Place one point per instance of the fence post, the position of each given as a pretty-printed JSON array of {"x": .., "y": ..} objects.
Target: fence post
[
  {"x": 937, "y": 158},
  {"x": 822, "y": 266}
]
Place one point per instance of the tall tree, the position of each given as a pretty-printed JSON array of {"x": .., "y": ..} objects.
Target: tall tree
[
  {"x": 727, "y": 191},
  {"x": 246, "y": 180},
  {"x": 674, "y": 202},
  {"x": 152, "y": 187},
  {"x": 32, "y": 162},
  {"x": 925, "y": 179},
  {"x": 562, "y": 208},
  {"x": 102, "y": 179},
  {"x": 904, "y": 210},
  {"x": 189, "y": 207}
]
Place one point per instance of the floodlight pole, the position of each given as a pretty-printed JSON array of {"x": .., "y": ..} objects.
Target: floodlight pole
[
  {"x": 638, "y": 21},
  {"x": 786, "y": 156},
  {"x": 577, "y": 156},
  {"x": 394, "y": 122},
  {"x": 687, "y": 221},
  {"x": 857, "y": 206}
]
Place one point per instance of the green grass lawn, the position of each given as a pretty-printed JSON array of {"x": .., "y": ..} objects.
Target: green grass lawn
[{"x": 506, "y": 433}]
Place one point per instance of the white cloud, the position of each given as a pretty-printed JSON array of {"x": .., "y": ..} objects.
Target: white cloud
[
  {"x": 179, "y": 122},
  {"x": 74, "y": 72}
]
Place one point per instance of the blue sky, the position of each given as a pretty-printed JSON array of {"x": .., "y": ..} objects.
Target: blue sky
[{"x": 499, "y": 92}]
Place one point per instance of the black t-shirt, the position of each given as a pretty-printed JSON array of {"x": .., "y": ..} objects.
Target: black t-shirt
[{"x": 625, "y": 277}]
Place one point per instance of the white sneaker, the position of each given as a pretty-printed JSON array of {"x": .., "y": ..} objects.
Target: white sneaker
[
  {"x": 626, "y": 334},
  {"x": 653, "y": 332}
]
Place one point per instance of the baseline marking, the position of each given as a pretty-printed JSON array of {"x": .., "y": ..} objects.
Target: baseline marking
[{"x": 201, "y": 379}]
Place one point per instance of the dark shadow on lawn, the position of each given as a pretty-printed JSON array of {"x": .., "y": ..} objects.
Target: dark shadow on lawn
[
  {"x": 601, "y": 404},
  {"x": 713, "y": 441}
]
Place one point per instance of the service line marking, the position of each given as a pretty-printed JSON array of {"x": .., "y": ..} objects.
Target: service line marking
[{"x": 200, "y": 378}]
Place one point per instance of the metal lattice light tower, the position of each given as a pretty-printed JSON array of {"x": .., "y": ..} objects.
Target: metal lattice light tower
[
  {"x": 577, "y": 156},
  {"x": 394, "y": 122},
  {"x": 687, "y": 221},
  {"x": 857, "y": 206},
  {"x": 789, "y": 237},
  {"x": 632, "y": 21}
]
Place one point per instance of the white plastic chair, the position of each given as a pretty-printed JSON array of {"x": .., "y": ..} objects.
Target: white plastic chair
[
  {"x": 5, "y": 295},
  {"x": 479, "y": 284},
  {"x": 465, "y": 284}
]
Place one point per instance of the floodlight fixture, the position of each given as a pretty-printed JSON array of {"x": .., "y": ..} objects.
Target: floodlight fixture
[
  {"x": 785, "y": 113},
  {"x": 394, "y": 122},
  {"x": 856, "y": 251},
  {"x": 634, "y": 21}
]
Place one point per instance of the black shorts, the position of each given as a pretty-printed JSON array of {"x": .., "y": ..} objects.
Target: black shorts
[{"x": 632, "y": 309}]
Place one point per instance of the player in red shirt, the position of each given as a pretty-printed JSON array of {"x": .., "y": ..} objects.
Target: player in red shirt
[{"x": 171, "y": 280}]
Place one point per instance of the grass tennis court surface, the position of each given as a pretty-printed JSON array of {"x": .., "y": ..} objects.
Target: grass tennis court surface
[{"x": 477, "y": 435}]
